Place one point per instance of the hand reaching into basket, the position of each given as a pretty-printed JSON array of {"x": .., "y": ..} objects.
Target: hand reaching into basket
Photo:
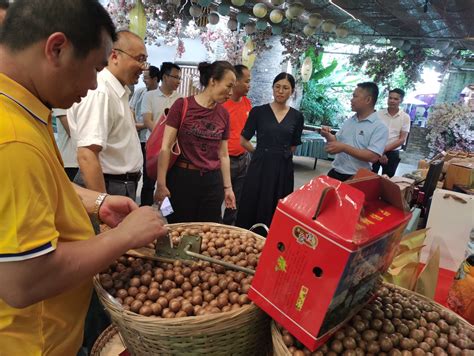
[{"x": 143, "y": 226}]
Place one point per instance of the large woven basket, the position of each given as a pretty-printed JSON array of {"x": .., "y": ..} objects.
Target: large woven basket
[
  {"x": 280, "y": 349},
  {"x": 245, "y": 331}
]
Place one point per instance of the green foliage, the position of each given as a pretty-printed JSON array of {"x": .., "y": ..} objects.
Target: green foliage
[{"x": 320, "y": 104}]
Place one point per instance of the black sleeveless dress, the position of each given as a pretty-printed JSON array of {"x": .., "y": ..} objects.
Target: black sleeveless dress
[{"x": 270, "y": 176}]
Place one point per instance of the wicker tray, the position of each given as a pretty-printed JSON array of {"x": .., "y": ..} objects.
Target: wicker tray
[
  {"x": 245, "y": 331},
  {"x": 280, "y": 349}
]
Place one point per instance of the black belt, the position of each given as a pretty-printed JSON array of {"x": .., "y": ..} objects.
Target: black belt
[
  {"x": 127, "y": 177},
  {"x": 239, "y": 156}
]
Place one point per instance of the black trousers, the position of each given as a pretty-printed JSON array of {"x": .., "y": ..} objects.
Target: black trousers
[
  {"x": 339, "y": 176},
  {"x": 238, "y": 171},
  {"x": 148, "y": 188},
  {"x": 195, "y": 196},
  {"x": 71, "y": 172},
  {"x": 391, "y": 167}
]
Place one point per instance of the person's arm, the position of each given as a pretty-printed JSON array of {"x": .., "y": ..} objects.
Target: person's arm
[
  {"x": 296, "y": 139},
  {"x": 401, "y": 140},
  {"x": 246, "y": 144},
  {"x": 366, "y": 155},
  {"x": 169, "y": 138},
  {"x": 91, "y": 170},
  {"x": 326, "y": 133},
  {"x": 63, "y": 120},
  {"x": 72, "y": 263},
  {"x": 225, "y": 169},
  {"x": 148, "y": 120}
]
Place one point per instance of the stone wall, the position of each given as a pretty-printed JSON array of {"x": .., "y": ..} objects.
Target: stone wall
[
  {"x": 417, "y": 147},
  {"x": 452, "y": 86}
]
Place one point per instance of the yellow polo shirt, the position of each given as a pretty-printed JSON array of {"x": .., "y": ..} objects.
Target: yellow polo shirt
[{"x": 38, "y": 208}]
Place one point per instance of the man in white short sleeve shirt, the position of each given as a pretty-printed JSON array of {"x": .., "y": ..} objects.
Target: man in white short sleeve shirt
[
  {"x": 398, "y": 124},
  {"x": 102, "y": 125}
]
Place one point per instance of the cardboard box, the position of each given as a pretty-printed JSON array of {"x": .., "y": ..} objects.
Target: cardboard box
[
  {"x": 327, "y": 247},
  {"x": 461, "y": 173}
]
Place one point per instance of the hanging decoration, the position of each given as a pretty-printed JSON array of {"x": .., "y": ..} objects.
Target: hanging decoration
[
  {"x": 213, "y": 18},
  {"x": 174, "y": 2},
  {"x": 195, "y": 11},
  {"x": 232, "y": 24},
  {"x": 238, "y": 2},
  {"x": 250, "y": 28},
  {"x": 223, "y": 9},
  {"x": 276, "y": 16},
  {"x": 259, "y": 10},
  {"x": 261, "y": 25},
  {"x": 138, "y": 19},
  {"x": 296, "y": 9},
  {"x": 277, "y": 30},
  {"x": 204, "y": 3},
  {"x": 243, "y": 18},
  {"x": 309, "y": 31},
  {"x": 289, "y": 15},
  {"x": 341, "y": 31},
  {"x": 260, "y": 39},
  {"x": 315, "y": 20},
  {"x": 328, "y": 26},
  {"x": 277, "y": 2}
]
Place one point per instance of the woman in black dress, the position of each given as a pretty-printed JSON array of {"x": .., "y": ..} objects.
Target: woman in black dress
[{"x": 270, "y": 176}]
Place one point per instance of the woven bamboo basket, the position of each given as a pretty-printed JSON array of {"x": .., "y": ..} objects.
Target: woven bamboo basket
[
  {"x": 280, "y": 349},
  {"x": 109, "y": 343},
  {"x": 245, "y": 331}
]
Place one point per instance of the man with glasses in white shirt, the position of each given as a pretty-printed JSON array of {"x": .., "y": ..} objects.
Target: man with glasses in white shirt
[{"x": 102, "y": 126}]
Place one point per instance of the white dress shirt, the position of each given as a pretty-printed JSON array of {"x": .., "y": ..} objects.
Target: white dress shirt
[
  {"x": 395, "y": 124},
  {"x": 155, "y": 102},
  {"x": 104, "y": 118}
]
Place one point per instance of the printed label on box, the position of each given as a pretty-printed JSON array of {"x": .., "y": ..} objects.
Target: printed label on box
[
  {"x": 301, "y": 298},
  {"x": 305, "y": 237},
  {"x": 281, "y": 264}
]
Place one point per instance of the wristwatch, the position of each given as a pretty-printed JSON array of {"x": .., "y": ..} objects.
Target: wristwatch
[{"x": 98, "y": 203}]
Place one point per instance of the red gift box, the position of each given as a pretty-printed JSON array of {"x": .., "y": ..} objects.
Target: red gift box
[{"x": 327, "y": 246}]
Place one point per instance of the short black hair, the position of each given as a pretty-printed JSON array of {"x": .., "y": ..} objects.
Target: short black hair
[
  {"x": 154, "y": 72},
  {"x": 372, "y": 89},
  {"x": 215, "y": 70},
  {"x": 82, "y": 21},
  {"x": 287, "y": 76},
  {"x": 166, "y": 68},
  {"x": 4, "y": 4},
  {"x": 397, "y": 91},
  {"x": 239, "y": 70}
]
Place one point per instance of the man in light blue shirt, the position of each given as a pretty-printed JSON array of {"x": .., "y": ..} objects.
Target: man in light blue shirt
[{"x": 361, "y": 139}]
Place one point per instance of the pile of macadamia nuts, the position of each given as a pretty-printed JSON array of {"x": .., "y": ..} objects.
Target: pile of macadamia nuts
[
  {"x": 395, "y": 323},
  {"x": 181, "y": 288}
]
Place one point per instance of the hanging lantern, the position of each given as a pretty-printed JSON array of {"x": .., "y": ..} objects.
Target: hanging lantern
[
  {"x": 138, "y": 19},
  {"x": 174, "y": 2},
  {"x": 243, "y": 17},
  {"x": 204, "y": 3},
  {"x": 329, "y": 26},
  {"x": 296, "y": 9},
  {"x": 315, "y": 20},
  {"x": 342, "y": 32},
  {"x": 261, "y": 25},
  {"x": 277, "y": 30},
  {"x": 232, "y": 25},
  {"x": 213, "y": 18},
  {"x": 309, "y": 31},
  {"x": 238, "y": 2},
  {"x": 306, "y": 69},
  {"x": 195, "y": 11},
  {"x": 259, "y": 10},
  {"x": 277, "y": 2},
  {"x": 250, "y": 28},
  {"x": 396, "y": 42},
  {"x": 276, "y": 16},
  {"x": 223, "y": 9},
  {"x": 289, "y": 16}
]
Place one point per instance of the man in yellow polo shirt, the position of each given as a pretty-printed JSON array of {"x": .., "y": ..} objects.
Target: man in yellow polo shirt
[{"x": 48, "y": 251}]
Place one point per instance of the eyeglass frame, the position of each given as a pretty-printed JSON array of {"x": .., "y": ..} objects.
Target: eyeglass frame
[
  {"x": 174, "y": 76},
  {"x": 142, "y": 61}
]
